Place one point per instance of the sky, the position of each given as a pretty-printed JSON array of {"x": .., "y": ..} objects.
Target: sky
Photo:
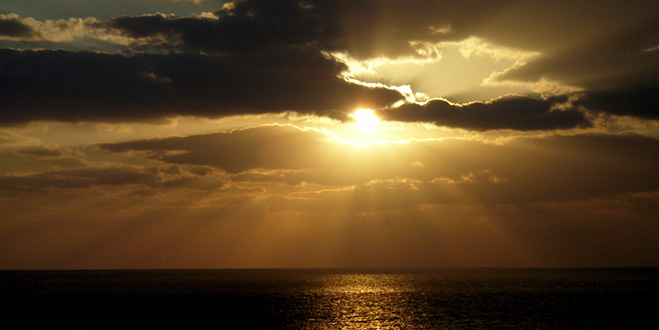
[{"x": 318, "y": 133}]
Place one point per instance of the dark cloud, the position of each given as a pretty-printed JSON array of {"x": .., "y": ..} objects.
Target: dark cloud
[
  {"x": 40, "y": 151},
  {"x": 511, "y": 112},
  {"x": 237, "y": 151},
  {"x": 13, "y": 27},
  {"x": 259, "y": 56},
  {"x": 593, "y": 46},
  {"x": 369, "y": 28},
  {"x": 249, "y": 26},
  {"x": 617, "y": 70},
  {"x": 574, "y": 51},
  {"x": 66, "y": 86},
  {"x": 640, "y": 102},
  {"x": 524, "y": 170},
  {"x": 145, "y": 25},
  {"x": 611, "y": 60}
]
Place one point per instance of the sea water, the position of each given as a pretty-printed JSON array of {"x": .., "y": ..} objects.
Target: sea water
[{"x": 481, "y": 298}]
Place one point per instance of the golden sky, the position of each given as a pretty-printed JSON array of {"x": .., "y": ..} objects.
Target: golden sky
[{"x": 268, "y": 134}]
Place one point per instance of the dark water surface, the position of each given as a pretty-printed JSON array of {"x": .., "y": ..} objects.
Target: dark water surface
[{"x": 332, "y": 299}]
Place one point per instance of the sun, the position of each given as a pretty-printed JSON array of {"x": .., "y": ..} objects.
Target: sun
[{"x": 366, "y": 119}]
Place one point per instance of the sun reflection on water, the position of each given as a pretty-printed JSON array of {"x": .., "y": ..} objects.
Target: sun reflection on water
[{"x": 364, "y": 301}]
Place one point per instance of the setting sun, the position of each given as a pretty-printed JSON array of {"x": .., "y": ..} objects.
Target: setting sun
[{"x": 366, "y": 119}]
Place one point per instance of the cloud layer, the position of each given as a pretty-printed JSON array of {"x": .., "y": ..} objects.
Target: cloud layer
[
  {"x": 282, "y": 196},
  {"x": 256, "y": 56},
  {"x": 523, "y": 171},
  {"x": 64, "y": 86},
  {"x": 513, "y": 112}
]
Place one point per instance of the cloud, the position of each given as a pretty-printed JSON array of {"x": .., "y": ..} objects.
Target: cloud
[
  {"x": 310, "y": 178},
  {"x": 641, "y": 102},
  {"x": 528, "y": 186},
  {"x": 510, "y": 112},
  {"x": 80, "y": 178},
  {"x": 616, "y": 71},
  {"x": 12, "y": 27},
  {"x": 522, "y": 170},
  {"x": 29, "y": 155},
  {"x": 73, "y": 173},
  {"x": 69, "y": 162},
  {"x": 149, "y": 232},
  {"x": 86, "y": 86},
  {"x": 236, "y": 151},
  {"x": 610, "y": 60},
  {"x": 371, "y": 28},
  {"x": 11, "y": 139},
  {"x": 40, "y": 151},
  {"x": 257, "y": 56},
  {"x": 242, "y": 26},
  {"x": 197, "y": 183},
  {"x": 195, "y": 1},
  {"x": 28, "y": 30}
]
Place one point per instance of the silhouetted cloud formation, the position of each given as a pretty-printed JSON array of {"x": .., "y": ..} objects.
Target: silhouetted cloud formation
[
  {"x": 86, "y": 86},
  {"x": 259, "y": 56},
  {"x": 642, "y": 102},
  {"x": 11, "y": 26},
  {"x": 513, "y": 112}
]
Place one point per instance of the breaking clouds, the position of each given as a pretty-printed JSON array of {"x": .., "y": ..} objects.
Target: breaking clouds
[
  {"x": 551, "y": 168},
  {"x": 258, "y": 56}
]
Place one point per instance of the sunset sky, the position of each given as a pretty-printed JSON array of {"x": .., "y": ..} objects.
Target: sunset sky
[{"x": 328, "y": 133}]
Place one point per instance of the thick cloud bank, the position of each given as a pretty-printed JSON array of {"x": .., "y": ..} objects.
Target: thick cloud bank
[{"x": 257, "y": 56}]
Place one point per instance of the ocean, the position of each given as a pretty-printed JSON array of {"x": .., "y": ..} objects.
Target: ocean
[{"x": 452, "y": 298}]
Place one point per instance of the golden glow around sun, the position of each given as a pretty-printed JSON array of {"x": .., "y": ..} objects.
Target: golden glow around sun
[
  {"x": 366, "y": 119},
  {"x": 365, "y": 129}
]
